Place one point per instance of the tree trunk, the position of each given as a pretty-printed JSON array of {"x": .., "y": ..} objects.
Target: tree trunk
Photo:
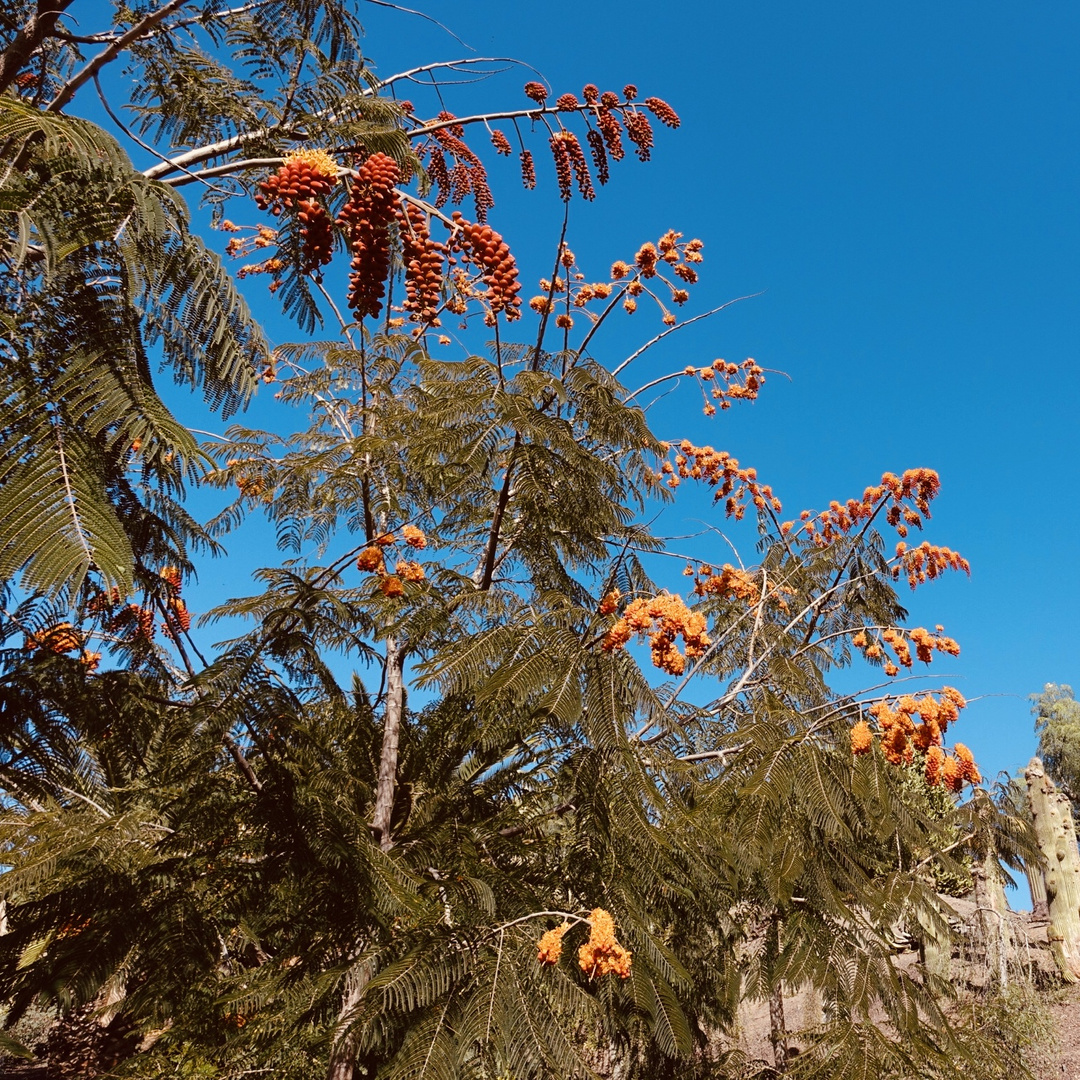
[
  {"x": 778, "y": 1028},
  {"x": 1052, "y": 815},
  {"x": 388, "y": 761},
  {"x": 342, "y": 1064},
  {"x": 991, "y": 910}
]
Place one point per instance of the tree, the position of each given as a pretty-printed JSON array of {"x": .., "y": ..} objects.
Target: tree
[
  {"x": 1057, "y": 723},
  {"x": 262, "y": 866}
]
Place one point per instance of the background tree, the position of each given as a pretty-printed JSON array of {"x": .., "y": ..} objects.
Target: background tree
[{"x": 1057, "y": 723}]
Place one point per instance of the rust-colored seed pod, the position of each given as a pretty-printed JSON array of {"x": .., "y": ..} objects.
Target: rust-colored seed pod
[
  {"x": 440, "y": 175},
  {"x": 577, "y": 162},
  {"x": 528, "y": 169},
  {"x": 561, "y": 152},
  {"x": 662, "y": 111},
  {"x": 460, "y": 182},
  {"x": 482, "y": 197},
  {"x": 599, "y": 155},
  {"x": 629, "y": 91},
  {"x": 591, "y": 94},
  {"x": 423, "y": 260},
  {"x": 566, "y": 102},
  {"x": 501, "y": 143},
  {"x": 536, "y": 91},
  {"x": 639, "y": 131},
  {"x": 611, "y": 132}
]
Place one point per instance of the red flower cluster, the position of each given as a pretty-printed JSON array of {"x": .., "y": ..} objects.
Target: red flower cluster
[
  {"x": 664, "y": 618},
  {"x": 486, "y": 249},
  {"x": 306, "y": 177},
  {"x": 372, "y": 205},
  {"x": 423, "y": 258},
  {"x": 305, "y": 174},
  {"x": 569, "y": 156}
]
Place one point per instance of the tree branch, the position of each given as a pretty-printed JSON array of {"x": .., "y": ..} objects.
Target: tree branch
[{"x": 106, "y": 56}]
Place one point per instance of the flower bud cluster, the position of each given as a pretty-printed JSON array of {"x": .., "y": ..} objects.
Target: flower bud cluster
[
  {"x": 367, "y": 215},
  {"x": 484, "y": 248}
]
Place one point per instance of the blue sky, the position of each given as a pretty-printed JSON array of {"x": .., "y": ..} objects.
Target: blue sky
[{"x": 900, "y": 182}]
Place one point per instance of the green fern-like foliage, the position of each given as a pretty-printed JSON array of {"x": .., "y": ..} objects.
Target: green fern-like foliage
[{"x": 101, "y": 273}]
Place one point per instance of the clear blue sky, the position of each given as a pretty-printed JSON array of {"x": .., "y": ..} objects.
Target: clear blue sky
[{"x": 901, "y": 181}]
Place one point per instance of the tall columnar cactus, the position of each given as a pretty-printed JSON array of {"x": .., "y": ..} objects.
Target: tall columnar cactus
[{"x": 1052, "y": 815}]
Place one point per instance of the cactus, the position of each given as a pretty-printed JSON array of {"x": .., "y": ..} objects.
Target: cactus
[{"x": 1052, "y": 815}]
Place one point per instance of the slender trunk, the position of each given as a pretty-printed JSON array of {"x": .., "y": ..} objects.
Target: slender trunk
[
  {"x": 990, "y": 911},
  {"x": 388, "y": 759},
  {"x": 778, "y": 1028},
  {"x": 1056, "y": 834},
  {"x": 342, "y": 1065}
]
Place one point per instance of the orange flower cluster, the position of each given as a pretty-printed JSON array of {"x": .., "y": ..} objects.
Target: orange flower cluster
[
  {"x": 901, "y": 736},
  {"x": 916, "y": 487},
  {"x": 602, "y": 954},
  {"x": 61, "y": 638},
  {"x": 610, "y": 602},
  {"x": 550, "y": 945},
  {"x": 486, "y": 249},
  {"x": 372, "y": 560},
  {"x": 391, "y": 585},
  {"x": 927, "y": 561},
  {"x": 951, "y": 771},
  {"x": 719, "y": 469},
  {"x": 104, "y": 601},
  {"x": 178, "y": 619},
  {"x": 501, "y": 143},
  {"x": 372, "y": 206},
  {"x": 664, "y": 618},
  {"x": 731, "y": 582},
  {"x": 926, "y": 644},
  {"x": 743, "y": 381},
  {"x": 172, "y": 578},
  {"x": 414, "y": 537}
]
